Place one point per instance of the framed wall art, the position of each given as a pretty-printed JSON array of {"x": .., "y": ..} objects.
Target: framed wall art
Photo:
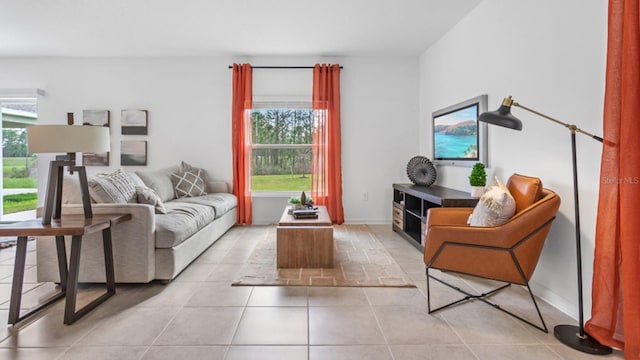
[
  {"x": 133, "y": 152},
  {"x": 96, "y": 118},
  {"x": 134, "y": 122}
]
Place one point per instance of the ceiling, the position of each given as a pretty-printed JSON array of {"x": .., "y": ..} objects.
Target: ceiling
[{"x": 225, "y": 27}]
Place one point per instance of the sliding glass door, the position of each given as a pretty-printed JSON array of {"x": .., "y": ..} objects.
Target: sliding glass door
[{"x": 19, "y": 178}]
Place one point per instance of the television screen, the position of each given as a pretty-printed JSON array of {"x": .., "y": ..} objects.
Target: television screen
[{"x": 458, "y": 137}]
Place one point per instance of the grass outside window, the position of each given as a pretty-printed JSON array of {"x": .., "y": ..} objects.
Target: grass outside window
[
  {"x": 287, "y": 182},
  {"x": 16, "y": 176}
]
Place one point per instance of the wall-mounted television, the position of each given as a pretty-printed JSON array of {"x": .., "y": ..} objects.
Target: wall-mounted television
[{"x": 459, "y": 139}]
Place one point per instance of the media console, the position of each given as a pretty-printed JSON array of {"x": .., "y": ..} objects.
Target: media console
[{"x": 412, "y": 202}]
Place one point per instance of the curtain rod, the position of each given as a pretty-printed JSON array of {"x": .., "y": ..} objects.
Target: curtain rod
[{"x": 280, "y": 67}]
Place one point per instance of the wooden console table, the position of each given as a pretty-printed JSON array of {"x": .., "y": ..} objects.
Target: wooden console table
[
  {"x": 305, "y": 243},
  {"x": 75, "y": 226},
  {"x": 412, "y": 202}
]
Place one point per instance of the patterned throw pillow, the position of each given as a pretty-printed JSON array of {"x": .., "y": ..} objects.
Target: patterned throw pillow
[
  {"x": 495, "y": 207},
  {"x": 188, "y": 167},
  {"x": 189, "y": 183},
  {"x": 117, "y": 187},
  {"x": 146, "y": 195}
]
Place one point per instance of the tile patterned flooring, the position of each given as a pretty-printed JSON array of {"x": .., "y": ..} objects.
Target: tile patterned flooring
[{"x": 200, "y": 316}]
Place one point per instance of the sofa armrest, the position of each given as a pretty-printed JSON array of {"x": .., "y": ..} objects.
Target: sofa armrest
[
  {"x": 133, "y": 246},
  {"x": 217, "y": 186}
]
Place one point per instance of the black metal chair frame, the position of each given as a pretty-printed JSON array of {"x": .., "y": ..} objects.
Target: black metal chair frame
[{"x": 483, "y": 297}]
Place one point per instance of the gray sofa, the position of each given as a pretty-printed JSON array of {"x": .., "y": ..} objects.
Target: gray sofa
[{"x": 151, "y": 245}]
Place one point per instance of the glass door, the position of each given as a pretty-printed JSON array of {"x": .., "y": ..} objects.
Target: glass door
[{"x": 19, "y": 171}]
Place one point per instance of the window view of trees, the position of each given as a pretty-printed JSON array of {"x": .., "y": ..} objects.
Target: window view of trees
[
  {"x": 14, "y": 142},
  {"x": 18, "y": 168},
  {"x": 281, "y": 155}
]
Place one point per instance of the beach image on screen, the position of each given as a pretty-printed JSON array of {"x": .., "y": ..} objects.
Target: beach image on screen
[{"x": 456, "y": 134}]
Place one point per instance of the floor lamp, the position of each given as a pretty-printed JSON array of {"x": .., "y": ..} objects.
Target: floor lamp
[
  {"x": 66, "y": 139},
  {"x": 570, "y": 335}
]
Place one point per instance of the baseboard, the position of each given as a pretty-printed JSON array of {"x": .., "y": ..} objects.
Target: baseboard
[
  {"x": 351, "y": 221},
  {"x": 554, "y": 299}
]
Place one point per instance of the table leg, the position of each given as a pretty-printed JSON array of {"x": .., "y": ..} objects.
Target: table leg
[
  {"x": 108, "y": 260},
  {"x": 62, "y": 262},
  {"x": 16, "y": 287},
  {"x": 18, "y": 278},
  {"x": 72, "y": 280},
  {"x": 70, "y": 313}
]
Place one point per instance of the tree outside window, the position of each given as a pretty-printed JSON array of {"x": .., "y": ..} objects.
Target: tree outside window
[{"x": 281, "y": 151}]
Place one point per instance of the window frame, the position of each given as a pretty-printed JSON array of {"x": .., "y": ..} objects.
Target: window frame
[{"x": 266, "y": 103}]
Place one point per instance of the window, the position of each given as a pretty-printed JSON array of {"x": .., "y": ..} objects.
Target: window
[
  {"x": 19, "y": 178},
  {"x": 281, "y": 146}
]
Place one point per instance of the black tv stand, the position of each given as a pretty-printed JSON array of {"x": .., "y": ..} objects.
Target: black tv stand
[{"x": 412, "y": 202}]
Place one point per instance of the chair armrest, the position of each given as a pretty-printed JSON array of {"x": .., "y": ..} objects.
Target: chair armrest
[{"x": 448, "y": 216}]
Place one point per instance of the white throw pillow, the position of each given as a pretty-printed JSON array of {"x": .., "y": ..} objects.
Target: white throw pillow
[
  {"x": 495, "y": 207},
  {"x": 117, "y": 187},
  {"x": 146, "y": 195}
]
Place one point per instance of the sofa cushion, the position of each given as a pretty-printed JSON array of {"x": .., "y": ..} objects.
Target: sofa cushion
[
  {"x": 117, "y": 187},
  {"x": 180, "y": 222},
  {"x": 188, "y": 183},
  {"x": 160, "y": 182},
  {"x": 221, "y": 202}
]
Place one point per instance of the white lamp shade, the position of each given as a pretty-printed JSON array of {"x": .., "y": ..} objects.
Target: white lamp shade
[{"x": 67, "y": 139}]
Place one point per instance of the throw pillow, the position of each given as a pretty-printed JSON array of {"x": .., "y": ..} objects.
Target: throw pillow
[
  {"x": 188, "y": 183},
  {"x": 117, "y": 187},
  {"x": 188, "y": 167},
  {"x": 146, "y": 195},
  {"x": 160, "y": 181},
  {"x": 495, "y": 207}
]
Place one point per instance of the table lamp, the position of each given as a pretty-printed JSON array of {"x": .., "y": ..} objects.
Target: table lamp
[
  {"x": 570, "y": 335},
  {"x": 67, "y": 139}
]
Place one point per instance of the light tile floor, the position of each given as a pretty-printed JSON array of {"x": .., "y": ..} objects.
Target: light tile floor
[{"x": 200, "y": 316}]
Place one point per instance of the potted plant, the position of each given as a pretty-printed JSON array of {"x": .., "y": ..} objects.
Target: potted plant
[
  {"x": 295, "y": 202},
  {"x": 477, "y": 179}
]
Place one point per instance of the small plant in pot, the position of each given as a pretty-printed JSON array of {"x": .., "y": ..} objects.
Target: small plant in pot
[
  {"x": 477, "y": 179},
  {"x": 295, "y": 203}
]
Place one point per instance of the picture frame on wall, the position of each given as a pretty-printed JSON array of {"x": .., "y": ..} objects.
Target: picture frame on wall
[
  {"x": 96, "y": 118},
  {"x": 133, "y": 152},
  {"x": 134, "y": 122},
  {"x": 92, "y": 159}
]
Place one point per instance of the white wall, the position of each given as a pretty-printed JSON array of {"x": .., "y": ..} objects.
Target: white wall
[
  {"x": 379, "y": 107},
  {"x": 189, "y": 103},
  {"x": 550, "y": 55}
]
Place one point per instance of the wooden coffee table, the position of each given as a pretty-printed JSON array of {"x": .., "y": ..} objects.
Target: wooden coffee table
[{"x": 305, "y": 243}]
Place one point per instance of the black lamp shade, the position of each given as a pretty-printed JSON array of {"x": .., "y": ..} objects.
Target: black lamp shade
[{"x": 501, "y": 117}]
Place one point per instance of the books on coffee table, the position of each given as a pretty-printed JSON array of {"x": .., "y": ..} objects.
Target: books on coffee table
[{"x": 305, "y": 214}]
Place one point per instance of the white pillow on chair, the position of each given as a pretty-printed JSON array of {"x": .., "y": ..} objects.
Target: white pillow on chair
[{"x": 495, "y": 207}]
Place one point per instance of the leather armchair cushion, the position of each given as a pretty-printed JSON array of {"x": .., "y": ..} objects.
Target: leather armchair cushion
[{"x": 525, "y": 190}]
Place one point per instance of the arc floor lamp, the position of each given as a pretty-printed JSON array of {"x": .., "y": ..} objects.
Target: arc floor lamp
[{"x": 570, "y": 335}]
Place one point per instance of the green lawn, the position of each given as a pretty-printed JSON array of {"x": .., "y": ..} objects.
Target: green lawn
[
  {"x": 19, "y": 202},
  {"x": 10, "y": 166},
  {"x": 280, "y": 183},
  {"x": 19, "y": 183},
  {"x": 10, "y": 162}
]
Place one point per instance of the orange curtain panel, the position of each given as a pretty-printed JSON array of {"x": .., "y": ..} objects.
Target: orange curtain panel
[
  {"x": 616, "y": 280},
  {"x": 326, "y": 163},
  {"x": 241, "y": 140}
]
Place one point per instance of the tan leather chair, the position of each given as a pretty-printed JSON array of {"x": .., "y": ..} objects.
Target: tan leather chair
[{"x": 507, "y": 253}]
